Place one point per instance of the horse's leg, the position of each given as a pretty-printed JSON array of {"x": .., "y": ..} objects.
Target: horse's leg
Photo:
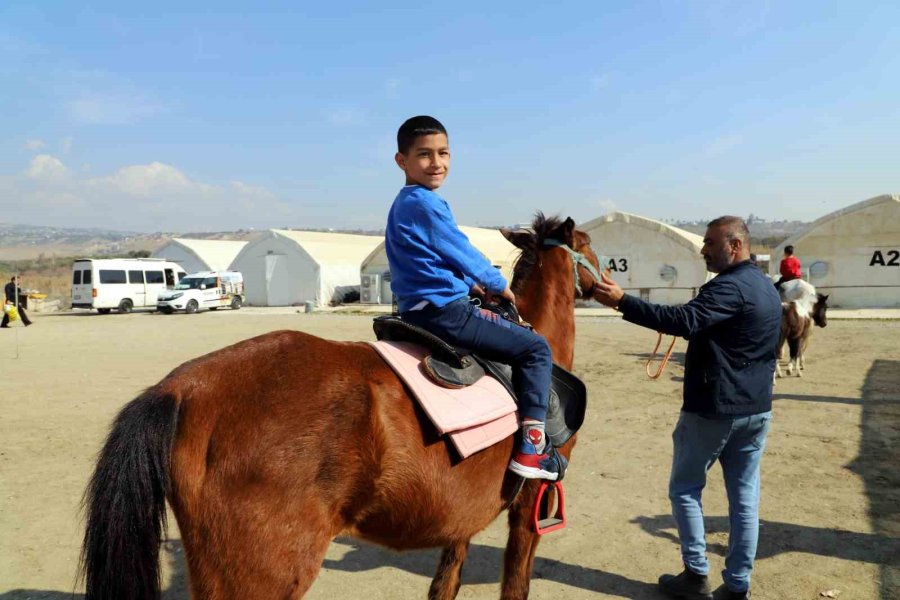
[
  {"x": 520, "y": 547},
  {"x": 445, "y": 584}
]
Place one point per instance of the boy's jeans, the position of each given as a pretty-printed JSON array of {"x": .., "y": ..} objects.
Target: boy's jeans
[
  {"x": 737, "y": 443},
  {"x": 466, "y": 325}
]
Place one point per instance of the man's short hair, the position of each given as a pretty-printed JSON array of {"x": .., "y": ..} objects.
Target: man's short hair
[
  {"x": 788, "y": 249},
  {"x": 414, "y": 128},
  {"x": 736, "y": 228}
]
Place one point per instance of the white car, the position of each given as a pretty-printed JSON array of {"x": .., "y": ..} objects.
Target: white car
[{"x": 206, "y": 290}]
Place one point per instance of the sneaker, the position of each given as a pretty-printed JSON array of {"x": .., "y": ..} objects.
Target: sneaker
[
  {"x": 723, "y": 593},
  {"x": 687, "y": 585},
  {"x": 549, "y": 465}
]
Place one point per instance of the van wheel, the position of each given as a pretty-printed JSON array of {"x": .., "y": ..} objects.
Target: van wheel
[
  {"x": 213, "y": 308},
  {"x": 104, "y": 311},
  {"x": 191, "y": 307},
  {"x": 236, "y": 303},
  {"x": 125, "y": 306}
]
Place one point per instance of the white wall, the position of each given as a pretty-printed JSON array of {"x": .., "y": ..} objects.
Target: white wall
[{"x": 178, "y": 254}]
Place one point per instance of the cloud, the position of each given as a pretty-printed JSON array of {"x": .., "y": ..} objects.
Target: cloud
[
  {"x": 607, "y": 205},
  {"x": 598, "y": 82},
  {"x": 345, "y": 117},
  {"x": 46, "y": 168},
  {"x": 34, "y": 144},
  {"x": 722, "y": 144},
  {"x": 149, "y": 180},
  {"x": 144, "y": 197},
  {"x": 66, "y": 144}
]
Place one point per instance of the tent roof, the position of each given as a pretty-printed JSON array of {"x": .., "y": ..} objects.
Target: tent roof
[
  {"x": 689, "y": 240},
  {"x": 795, "y": 239},
  {"x": 218, "y": 254},
  {"x": 325, "y": 247}
]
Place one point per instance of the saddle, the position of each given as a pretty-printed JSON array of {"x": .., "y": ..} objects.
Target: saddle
[{"x": 455, "y": 367}]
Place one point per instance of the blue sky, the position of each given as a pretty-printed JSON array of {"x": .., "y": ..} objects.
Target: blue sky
[{"x": 158, "y": 117}]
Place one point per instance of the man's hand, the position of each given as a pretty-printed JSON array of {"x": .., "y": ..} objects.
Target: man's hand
[
  {"x": 508, "y": 294},
  {"x": 477, "y": 291},
  {"x": 608, "y": 292}
]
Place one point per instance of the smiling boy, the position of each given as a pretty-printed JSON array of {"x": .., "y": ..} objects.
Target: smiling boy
[{"x": 433, "y": 269}]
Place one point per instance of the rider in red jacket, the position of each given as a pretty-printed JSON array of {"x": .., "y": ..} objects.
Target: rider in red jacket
[{"x": 790, "y": 266}]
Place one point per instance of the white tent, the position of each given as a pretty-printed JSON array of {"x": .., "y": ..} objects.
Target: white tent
[
  {"x": 200, "y": 255},
  {"x": 284, "y": 268},
  {"x": 852, "y": 254},
  {"x": 648, "y": 258},
  {"x": 376, "y": 275}
]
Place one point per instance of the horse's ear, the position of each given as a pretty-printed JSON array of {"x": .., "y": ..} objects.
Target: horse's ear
[
  {"x": 520, "y": 238},
  {"x": 565, "y": 232},
  {"x": 823, "y": 297}
]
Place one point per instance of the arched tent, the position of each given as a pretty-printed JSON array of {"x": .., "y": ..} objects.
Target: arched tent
[
  {"x": 650, "y": 259},
  {"x": 200, "y": 255},
  {"x": 376, "y": 276},
  {"x": 285, "y": 268},
  {"x": 853, "y": 254}
]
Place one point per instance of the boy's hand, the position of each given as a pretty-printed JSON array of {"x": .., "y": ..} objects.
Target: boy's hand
[
  {"x": 477, "y": 290},
  {"x": 608, "y": 292},
  {"x": 508, "y": 294}
]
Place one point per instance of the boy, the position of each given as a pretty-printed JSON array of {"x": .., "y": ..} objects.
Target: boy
[
  {"x": 789, "y": 267},
  {"x": 433, "y": 268}
]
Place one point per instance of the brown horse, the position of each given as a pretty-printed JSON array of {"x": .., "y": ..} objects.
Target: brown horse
[{"x": 268, "y": 449}]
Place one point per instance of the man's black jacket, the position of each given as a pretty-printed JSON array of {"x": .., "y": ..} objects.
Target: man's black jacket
[{"x": 732, "y": 328}]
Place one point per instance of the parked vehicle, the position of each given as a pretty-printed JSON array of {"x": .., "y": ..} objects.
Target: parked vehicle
[
  {"x": 207, "y": 289},
  {"x": 121, "y": 283}
]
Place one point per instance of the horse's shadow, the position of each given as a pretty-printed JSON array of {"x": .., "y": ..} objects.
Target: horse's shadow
[{"x": 483, "y": 566}]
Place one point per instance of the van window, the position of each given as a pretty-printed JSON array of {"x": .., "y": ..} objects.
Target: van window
[
  {"x": 86, "y": 276},
  {"x": 209, "y": 282},
  {"x": 76, "y": 277},
  {"x": 155, "y": 277},
  {"x": 112, "y": 276},
  {"x": 135, "y": 277}
]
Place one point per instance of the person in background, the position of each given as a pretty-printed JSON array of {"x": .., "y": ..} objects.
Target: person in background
[
  {"x": 790, "y": 267},
  {"x": 12, "y": 294}
]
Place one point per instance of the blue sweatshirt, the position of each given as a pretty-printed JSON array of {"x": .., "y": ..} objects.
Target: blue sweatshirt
[{"x": 429, "y": 257}]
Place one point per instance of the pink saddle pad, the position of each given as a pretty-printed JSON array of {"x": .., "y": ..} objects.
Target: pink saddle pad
[{"x": 473, "y": 417}]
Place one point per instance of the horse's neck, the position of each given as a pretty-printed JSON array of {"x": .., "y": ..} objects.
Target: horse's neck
[{"x": 547, "y": 302}]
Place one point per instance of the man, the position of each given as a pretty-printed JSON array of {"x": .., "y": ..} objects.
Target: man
[
  {"x": 732, "y": 327},
  {"x": 12, "y": 294},
  {"x": 789, "y": 267}
]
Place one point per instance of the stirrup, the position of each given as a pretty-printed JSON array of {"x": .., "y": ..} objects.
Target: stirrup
[{"x": 543, "y": 521}]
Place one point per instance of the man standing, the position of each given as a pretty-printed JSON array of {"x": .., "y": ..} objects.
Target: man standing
[
  {"x": 789, "y": 267},
  {"x": 732, "y": 327},
  {"x": 12, "y": 295}
]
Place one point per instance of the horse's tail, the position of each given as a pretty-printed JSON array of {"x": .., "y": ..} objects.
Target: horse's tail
[{"x": 125, "y": 502}]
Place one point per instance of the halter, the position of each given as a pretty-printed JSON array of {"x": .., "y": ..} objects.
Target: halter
[{"x": 577, "y": 259}]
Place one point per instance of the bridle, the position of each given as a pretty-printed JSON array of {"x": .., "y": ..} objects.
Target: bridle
[
  {"x": 577, "y": 259},
  {"x": 580, "y": 259}
]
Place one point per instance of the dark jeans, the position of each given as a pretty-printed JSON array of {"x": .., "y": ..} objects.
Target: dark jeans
[
  {"x": 464, "y": 324},
  {"x": 22, "y": 315}
]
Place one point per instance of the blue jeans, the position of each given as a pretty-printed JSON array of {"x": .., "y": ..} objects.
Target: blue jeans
[
  {"x": 737, "y": 443},
  {"x": 464, "y": 324}
]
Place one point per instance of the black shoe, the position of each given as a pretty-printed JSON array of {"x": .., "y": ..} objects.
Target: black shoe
[
  {"x": 687, "y": 585},
  {"x": 723, "y": 593}
]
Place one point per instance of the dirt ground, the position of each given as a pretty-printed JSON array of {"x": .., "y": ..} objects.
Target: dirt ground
[{"x": 830, "y": 494}]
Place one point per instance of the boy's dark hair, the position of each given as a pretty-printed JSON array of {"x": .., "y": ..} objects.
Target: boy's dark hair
[
  {"x": 789, "y": 250},
  {"x": 415, "y": 127}
]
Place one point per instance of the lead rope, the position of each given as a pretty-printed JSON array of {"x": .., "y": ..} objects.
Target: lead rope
[{"x": 665, "y": 358}]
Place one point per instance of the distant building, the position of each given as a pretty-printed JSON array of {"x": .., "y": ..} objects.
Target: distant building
[
  {"x": 852, "y": 254},
  {"x": 647, "y": 258},
  {"x": 200, "y": 255}
]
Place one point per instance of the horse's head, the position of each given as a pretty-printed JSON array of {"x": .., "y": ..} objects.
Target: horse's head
[
  {"x": 547, "y": 234},
  {"x": 819, "y": 309}
]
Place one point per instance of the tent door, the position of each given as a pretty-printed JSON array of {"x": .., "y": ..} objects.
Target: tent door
[{"x": 276, "y": 280}]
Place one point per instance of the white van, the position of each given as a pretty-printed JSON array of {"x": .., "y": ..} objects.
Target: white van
[
  {"x": 207, "y": 289},
  {"x": 121, "y": 283}
]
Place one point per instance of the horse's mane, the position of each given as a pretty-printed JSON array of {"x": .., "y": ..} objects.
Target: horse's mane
[{"x": 531, "y": 245}]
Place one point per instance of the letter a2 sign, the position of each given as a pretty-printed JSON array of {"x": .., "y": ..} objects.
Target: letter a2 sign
[{"x": 888, "y": 258}]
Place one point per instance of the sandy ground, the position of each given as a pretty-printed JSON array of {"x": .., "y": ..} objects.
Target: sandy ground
[{"x": 831, "y": 488}]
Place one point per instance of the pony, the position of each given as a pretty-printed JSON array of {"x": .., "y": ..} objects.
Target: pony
[
  {"x": 268, "y": 449},
  {"x": 801, "y": 307}
]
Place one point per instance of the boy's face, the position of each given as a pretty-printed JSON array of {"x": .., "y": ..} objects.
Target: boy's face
[{"x": 427, "y": 162}]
